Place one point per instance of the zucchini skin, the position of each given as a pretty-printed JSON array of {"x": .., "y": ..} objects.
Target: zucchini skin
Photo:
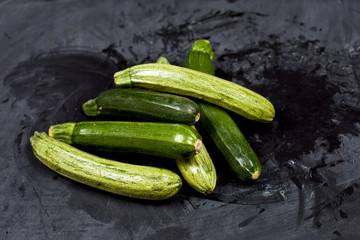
[
  {"x": 199, "y": 170},
  {"x": 169, "y": 140},
  {"x": 192, "y": 83},
  {"x": 143, "y": 104},
  {"x": 230, "y": 141},
  {"x": 142, "y": 182},
  {"x": 221, "y": 127}
]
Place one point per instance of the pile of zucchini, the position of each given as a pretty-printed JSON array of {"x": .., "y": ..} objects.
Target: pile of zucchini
[{"x": 164, "y": 102}]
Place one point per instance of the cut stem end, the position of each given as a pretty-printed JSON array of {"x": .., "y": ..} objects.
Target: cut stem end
[
  {"x": 255, "y": 175},
  {"x": 197, "y": 117},
  {"x": 198, "y": 146}
]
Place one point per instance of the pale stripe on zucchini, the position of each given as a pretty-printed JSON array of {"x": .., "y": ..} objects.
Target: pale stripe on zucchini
[{"x": 129, "y": 180}]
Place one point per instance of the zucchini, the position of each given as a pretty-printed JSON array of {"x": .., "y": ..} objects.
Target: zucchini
[
  {"x": 143, "y": 104},
  {"x": 169, "y": 140},
  {"x": 199, "y": 170},
  {"x": 143, "y": 182},
  {"x": 221, "y": 127},
  {"x": 192, "y": 83}
]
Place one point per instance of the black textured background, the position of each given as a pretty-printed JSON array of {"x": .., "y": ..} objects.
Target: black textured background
[{"x": 304, "y": 56}]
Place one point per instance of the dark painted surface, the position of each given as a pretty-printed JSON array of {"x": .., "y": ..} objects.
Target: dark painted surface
[{"x": 303, "y": 56}]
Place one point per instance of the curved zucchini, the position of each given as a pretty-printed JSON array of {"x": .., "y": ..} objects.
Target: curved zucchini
[
  {"x": 199, "y": 170},
  {"x": 221, "y": 127},
  {"x": 129, "y": 180},
  {"x": 188, "y": 82},
  {"x": 170, "y": 140},
  {"x": 143, "y": 104}
]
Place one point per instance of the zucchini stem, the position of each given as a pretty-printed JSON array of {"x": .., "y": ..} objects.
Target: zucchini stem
[
  {"x": 62, "y": 132},
  {"x": 123, "y": 78},
  {"x": 91, "y": 108}
]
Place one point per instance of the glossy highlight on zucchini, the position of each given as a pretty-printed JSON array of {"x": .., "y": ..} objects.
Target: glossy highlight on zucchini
[
  {"x": 218, "y": 123},
  {"x": 192, "y": 83},
  {"x": 169, "y": 140},
  {"x": 142, "y": 182},
  {"x": 143, "y": 105}
]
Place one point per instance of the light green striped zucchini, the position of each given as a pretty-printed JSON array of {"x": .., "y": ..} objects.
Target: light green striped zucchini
[
  {"x": 188, "y": 82},
  {"x": 199, "y": 170},
  {"x": 143, "y": 182},
  {"x": 218, "y": 123}
]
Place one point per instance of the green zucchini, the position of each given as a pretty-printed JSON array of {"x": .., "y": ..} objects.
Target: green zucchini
[
  {"x": 221, "y": 127},
  {"x": 143, "y": 182},
  {"x": 188, "y": 82},
  {"x": 169, "y": 140},
  {"x": 199, "y": 170},
  {"x": 143, "y": 104}
]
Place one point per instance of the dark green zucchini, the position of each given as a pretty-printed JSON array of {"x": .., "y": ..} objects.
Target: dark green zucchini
[
  {"x": 144, "y": 105},
  {"x": 129, "y": 180},
  {"x": 170, "y": 140},
  {"x": 221, "y": 127}
]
